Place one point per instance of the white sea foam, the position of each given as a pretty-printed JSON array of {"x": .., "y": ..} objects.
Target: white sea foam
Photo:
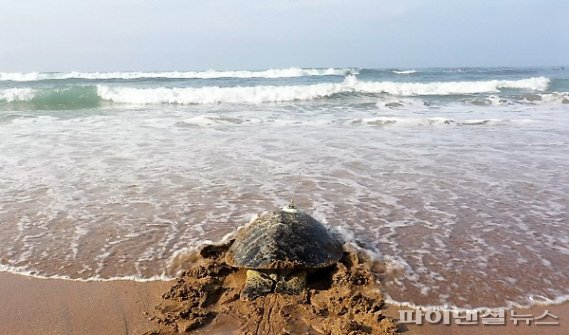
[
  {"x": 266, "y": 93},
  {"x": 209, "y": 74},
  {"x": 271, "y": 93},
  {"x": 199, "y": 121},
  {"x": 532, "y": 300},
  {"x": 22, "y": 271},
  {"x": 20, "y": 76},
  {"x": 203, "y": 121},
  {"x": 390, "y": 103},
  {"x": 451, "y": 87},
  {"x": 408, "y": 121},
  {"x": 17, "y": 94},
  {"x": 209, "y": 95},
  {"x": 552, "y": 98},
  {"x": 404, "y": 71}
]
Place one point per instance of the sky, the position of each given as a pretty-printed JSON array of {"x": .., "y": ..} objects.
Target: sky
[{"x": 130, "y": 35}]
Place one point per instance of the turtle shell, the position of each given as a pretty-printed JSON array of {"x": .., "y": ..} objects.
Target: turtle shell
[{"x": 284, "y": 240}]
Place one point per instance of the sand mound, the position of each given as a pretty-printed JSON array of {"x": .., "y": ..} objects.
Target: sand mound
[{"x": 343, "y": 299}]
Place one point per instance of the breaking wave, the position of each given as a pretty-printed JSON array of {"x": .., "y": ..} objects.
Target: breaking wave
[
  {"x": 209, "y": 74},
  {"x": 91, "y": 96},
  {"x": 404, "y": 71},
  {"x": 261, "y": 94},
  {"x": 16, "y": 94},
  {"x": 56, "y": 98},
  {"x": 451, "y": 87}
]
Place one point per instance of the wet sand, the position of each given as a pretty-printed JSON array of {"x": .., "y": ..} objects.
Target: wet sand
[
  {"x": 47, "y": 306},
  {"x": 343, "y": 298},
  {"x": 44, "y": 306}
]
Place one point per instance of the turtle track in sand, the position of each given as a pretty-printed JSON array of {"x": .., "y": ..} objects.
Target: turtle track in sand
[{"x": 342, "y": 299}]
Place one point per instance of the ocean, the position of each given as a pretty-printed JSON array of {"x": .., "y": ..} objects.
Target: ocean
[{"x": 457, "y": 179}]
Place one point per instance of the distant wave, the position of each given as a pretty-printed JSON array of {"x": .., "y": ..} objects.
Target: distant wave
[
  {"x": 210, "y": 74},
  {"x": 90, "y": 96},
  {"x": 451, "y": 87},
  {"x": 404, "y": 71}
]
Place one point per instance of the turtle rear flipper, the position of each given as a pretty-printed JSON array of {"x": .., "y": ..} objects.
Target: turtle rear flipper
[
  {"x": 291, "y": 283},
  {"x": 257, "y": 284}
]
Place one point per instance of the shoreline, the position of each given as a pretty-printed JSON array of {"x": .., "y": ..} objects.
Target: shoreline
[
  {"x": 54, "y": 306},
  {"x": 562, "y": 300}
]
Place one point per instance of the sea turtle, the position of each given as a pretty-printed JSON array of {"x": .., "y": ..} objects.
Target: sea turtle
[{"x": 278, "y": 248}]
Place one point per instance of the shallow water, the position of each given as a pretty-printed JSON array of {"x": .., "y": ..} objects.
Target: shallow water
[{"x": 464, "y": 192}]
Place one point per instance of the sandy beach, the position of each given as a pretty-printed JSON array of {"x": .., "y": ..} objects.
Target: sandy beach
[{"x": 47, "y": 306}]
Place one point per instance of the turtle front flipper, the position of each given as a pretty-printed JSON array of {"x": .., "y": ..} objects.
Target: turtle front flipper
[
  {"x": 291, "y": 283},
  {"x": 256, "y": 284}
]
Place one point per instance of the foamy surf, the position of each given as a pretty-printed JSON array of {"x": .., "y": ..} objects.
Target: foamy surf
[
  {"x": 183, "y": 258},
  {"x": 17, "y": 94},
  {"x": 90, "y": 96},
  {"x": 214, "y": 95},
  {"x": 264, "y": 93},
  {"x": 22, "y": 271}
]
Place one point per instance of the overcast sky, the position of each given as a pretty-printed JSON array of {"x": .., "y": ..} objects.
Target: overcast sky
[{"x": 105, "y": 35}]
